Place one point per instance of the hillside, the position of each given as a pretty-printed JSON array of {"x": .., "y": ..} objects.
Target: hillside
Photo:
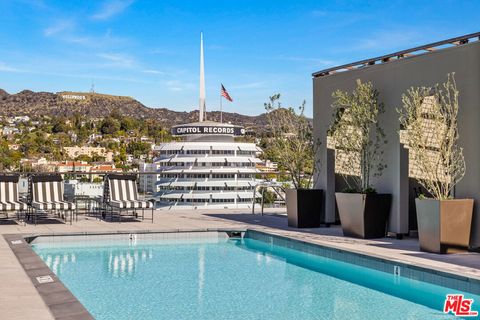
[{"x": 97, "y": 105}]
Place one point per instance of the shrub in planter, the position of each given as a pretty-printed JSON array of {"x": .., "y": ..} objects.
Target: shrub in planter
[
  {"x": 291, "y": 145},
  {"x": 430, "y": 132},
  {"x": 357, "y": 138}
]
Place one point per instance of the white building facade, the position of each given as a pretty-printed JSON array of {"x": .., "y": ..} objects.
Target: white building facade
[
  {"x": 77, "y": 188},
  {"x": 208, "y": 168}
]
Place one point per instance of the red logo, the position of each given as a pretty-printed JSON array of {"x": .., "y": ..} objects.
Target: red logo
[{"x": 459, "y": 306}]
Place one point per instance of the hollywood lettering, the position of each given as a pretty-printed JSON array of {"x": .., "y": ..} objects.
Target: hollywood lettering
[{"x": 186, "y": 130}]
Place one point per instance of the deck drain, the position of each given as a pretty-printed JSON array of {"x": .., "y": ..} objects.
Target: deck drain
[
  {"x": 44, "y": 279},
  {"x": 16, "y": 241}
]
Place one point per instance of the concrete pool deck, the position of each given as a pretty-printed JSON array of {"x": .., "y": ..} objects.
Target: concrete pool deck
[{"x": 19, "y": 299}]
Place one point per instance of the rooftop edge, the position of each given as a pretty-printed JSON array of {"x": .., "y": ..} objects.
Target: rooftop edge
[{"x": 461, "y": 40}]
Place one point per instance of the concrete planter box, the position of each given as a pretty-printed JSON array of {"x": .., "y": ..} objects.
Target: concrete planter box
[
  {"x": 444, "y": 225},
  {"x": 304, "y": 208},
  {"x": 363, "y": 215}
]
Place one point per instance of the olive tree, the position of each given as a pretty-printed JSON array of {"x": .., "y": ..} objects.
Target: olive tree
[
  {"x": 291, "y": 143},
  {"x": 357, "y": 136},
  {"x": 430, "y": 127}
]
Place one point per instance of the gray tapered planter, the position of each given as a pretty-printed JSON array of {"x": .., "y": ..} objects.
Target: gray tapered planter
[
  {"x": 363, "y": 215},
  {"x": 304, "y": 208},
  {"x": 444, "y": 225}
]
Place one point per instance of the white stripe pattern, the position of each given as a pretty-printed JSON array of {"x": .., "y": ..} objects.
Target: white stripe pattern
[
  {"x": 124, "y": 194},
  {"x": 49, "y": 195},
  {"x": 9, "y": 197}
]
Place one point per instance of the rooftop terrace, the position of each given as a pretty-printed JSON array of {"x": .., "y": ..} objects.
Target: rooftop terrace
[{"x": 17, "y": 290}]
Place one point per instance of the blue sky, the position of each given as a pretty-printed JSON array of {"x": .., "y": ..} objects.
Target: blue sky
[{"x": 149, "y": 49}]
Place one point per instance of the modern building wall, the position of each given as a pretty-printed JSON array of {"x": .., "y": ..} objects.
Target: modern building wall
[
  {"x": 392, "y": 79},
  {"x": 198, "y": 174}
]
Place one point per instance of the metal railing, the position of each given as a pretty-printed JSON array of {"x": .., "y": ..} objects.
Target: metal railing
[
  {"x": 400, "y": 54},
  {"x": 143, "y": 190}
]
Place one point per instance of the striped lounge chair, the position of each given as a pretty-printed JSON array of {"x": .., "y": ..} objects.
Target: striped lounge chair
[
  {"x": 121, "y": 196},
  {"x": 9, "y": 199},
  {"x": 46, "y": 194}
]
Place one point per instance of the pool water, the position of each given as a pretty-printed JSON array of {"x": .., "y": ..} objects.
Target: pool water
[{"x": 217, "y": 278}]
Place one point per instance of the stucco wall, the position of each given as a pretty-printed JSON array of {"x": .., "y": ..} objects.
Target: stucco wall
[{"x": 392, "y": 79}]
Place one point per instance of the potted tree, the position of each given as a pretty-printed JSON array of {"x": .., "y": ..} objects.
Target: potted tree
[
  {"x": 430, "y": 132},
  {"x": 291, "y": 145},
  {"x": 357, "y": 138}
]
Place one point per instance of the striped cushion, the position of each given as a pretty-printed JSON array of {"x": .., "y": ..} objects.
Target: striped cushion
[
  {"x": 49, "y": 191},
  {"x": 10, "y": 206},
  {"x": 131, "y": 204},
  {"x": 57, "y": 205},
  {"x": 124, "y": 194},
  {"x": 48, "y": 195},
  {"x": 9, "y": 196},
  {"x": 123, "y": 190}
]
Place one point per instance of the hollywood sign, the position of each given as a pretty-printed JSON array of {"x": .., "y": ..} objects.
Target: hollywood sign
[
  {"x": 186, "y": 130},
  {"x": 74, "y": 97}
]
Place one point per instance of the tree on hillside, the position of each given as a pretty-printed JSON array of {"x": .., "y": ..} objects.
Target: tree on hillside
[
  {"x": 9, "y": 159},
  {"x": 59, "y": 125},
  {"x": 128, "y": 123},
  {"x": 138, "y": 148},
  {"x": 109, "y": 125}
]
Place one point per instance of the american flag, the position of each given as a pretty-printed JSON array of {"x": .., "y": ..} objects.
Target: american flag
[{"x": 225, "y": 94}]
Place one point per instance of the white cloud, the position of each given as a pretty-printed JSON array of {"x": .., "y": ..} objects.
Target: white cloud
[
  {"x": 161, "y": 51},
  {"x": 6, "y": 68},
  {"x": 95, "y": 41},
  {"x": 118, "y": 59},
  {"x": 152, "y": 71},
  {"x": 93, "y": 76},
  {"x": 315, "y": 61},
  {"x": 58, "y": 27},
  {"x": 177, "y": 86},
  {"x": 111, "y": 9},
  {"x": 65, "y": 30},
  {"x": 174, "y": 85}
]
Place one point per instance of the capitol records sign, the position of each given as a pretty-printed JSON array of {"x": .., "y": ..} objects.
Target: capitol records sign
[{"x": 186, "y": 130}]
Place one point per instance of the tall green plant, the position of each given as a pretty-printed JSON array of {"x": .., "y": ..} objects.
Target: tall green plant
[
  {"x": 291, "y": 142},
  {"x": 429, "y": 118},
  {"x": 358, "y": 136}
]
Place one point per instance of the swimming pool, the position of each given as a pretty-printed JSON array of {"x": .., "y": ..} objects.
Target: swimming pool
[{"x": 212, "y": 276}]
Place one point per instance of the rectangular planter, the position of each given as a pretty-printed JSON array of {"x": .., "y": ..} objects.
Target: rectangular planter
[
  {"x": 304, "y": 208},
  {"x": 444, "y": 225},
  {"x": 363, "y": 215}
]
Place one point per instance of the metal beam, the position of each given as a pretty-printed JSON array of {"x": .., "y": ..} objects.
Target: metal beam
[{"x": 404, "y": 53}]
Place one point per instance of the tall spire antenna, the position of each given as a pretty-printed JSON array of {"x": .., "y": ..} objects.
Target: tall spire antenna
[
  {"x": 92, "y": 88},
  {"x": 203, "y": 115}
]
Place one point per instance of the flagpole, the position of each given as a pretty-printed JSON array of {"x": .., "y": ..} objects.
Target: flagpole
[{"x": 221, "y": 109}]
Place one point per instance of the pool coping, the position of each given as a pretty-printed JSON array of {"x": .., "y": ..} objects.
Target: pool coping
[
  {"x": 60, "y": 301},
  {"x": 415, "y": 271},
  {"x": 64, "y": 305}
]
